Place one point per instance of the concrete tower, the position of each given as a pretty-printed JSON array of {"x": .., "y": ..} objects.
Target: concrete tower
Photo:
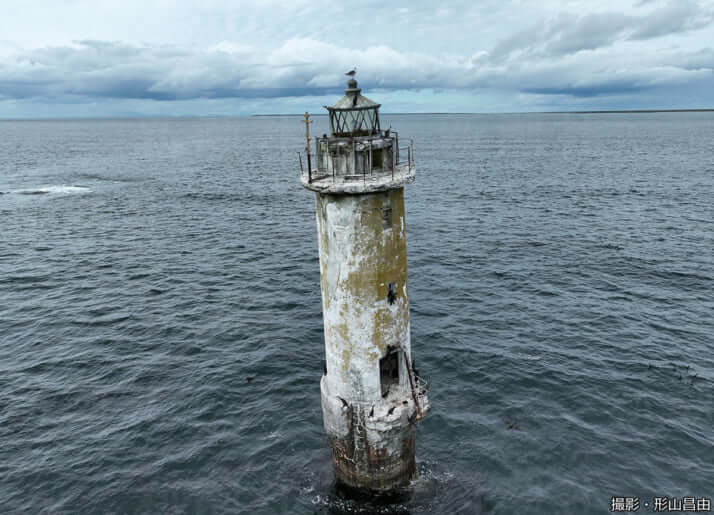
[{"x": 371, "y": 394}]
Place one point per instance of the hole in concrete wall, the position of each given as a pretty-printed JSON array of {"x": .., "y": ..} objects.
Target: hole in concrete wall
[
  {"x": 391, "y": 293},
  {"x": 389, "y": 370},
  {"x": 386, "y": 217}
]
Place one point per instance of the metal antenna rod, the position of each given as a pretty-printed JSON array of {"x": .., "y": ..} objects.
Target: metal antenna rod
[{"x": 307, "y": 123}]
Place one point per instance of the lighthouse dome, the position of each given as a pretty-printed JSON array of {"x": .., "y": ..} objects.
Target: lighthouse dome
[{"x": 354, "y": 114}]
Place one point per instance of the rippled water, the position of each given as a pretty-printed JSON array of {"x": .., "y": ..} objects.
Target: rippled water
[{"x": 161, "y": 334}]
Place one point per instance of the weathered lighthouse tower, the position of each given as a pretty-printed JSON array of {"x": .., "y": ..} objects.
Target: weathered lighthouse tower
[{"x": 371, "y": 395}]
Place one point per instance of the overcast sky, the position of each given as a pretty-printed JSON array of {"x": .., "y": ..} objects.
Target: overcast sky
[{"x": 223, "y": 57}]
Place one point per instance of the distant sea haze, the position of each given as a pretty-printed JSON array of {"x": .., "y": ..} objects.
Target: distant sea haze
[
  {"x": 161, "y": 328},
  {"x": 617, "y": 111}
]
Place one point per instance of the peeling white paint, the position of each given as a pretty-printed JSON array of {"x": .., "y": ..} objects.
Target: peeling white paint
[
  {"x": 351, "y": 310},
  {"x": 360, "y": 254}
]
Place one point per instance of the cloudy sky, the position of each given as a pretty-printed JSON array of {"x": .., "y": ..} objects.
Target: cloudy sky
[{"x": 239, "y": 57}]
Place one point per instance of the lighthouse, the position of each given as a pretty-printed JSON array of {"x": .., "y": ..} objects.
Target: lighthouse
[{"x": 371, "y": 395}]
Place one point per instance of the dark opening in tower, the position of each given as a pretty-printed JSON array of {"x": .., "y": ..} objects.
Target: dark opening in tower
[{"x": 389, "y": 370}]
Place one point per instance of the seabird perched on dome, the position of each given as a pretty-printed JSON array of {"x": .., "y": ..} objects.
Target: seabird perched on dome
[{"x": 352, "y": 72}]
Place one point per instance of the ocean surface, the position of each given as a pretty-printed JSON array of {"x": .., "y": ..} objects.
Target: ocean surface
[{"x": 161, "y": 330}]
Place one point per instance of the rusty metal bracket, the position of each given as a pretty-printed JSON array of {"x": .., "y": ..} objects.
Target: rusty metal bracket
[{"x": 410, "y": 372}]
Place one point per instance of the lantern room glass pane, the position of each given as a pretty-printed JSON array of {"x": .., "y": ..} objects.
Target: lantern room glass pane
[
  {"x": 353, "y": 121},
  {"x": 357, "y": 122}
]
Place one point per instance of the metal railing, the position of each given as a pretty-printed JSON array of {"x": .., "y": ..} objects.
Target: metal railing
[{"x": 354, "y": 159}]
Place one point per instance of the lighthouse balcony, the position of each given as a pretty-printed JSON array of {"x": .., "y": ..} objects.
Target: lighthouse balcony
[{"x": 360, "y": 164}]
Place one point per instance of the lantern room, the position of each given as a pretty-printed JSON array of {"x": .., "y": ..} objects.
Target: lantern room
[
  {"x": 354, "y": 114},
  {"x": 358, "y": 156}
]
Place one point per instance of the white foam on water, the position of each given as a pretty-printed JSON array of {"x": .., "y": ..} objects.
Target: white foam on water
[{"x": 56, "y": 190}]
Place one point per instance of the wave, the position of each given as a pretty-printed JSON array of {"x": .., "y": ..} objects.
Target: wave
[
  {"x": 57, "y": 190},
  {"x": 98, "y": 177}
]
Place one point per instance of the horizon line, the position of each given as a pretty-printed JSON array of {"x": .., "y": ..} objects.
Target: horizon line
[
  {"x": 434, "y": 113},
  {"x": 593, "y": 111}
]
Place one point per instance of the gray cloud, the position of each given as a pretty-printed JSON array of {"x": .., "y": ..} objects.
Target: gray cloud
[
  {"x": 595, "y": 90},
  {"x": 700, "y": 60},
  {"x": 677, "y": 16},
  {"x": 593, "y": 55},
  {"x": 305, "y": 67},
  {"x": 569, "y": 33},
  {"x": 586, "y": 33}
]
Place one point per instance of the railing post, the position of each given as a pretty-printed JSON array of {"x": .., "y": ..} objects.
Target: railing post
[
  {"x": 317, "y": 153},
  {"x": 396, "y": 136},
  {"x": 332, "y": 160},
  {"x": 382, "y": 167},
  {"x": 364, "y": 168}
]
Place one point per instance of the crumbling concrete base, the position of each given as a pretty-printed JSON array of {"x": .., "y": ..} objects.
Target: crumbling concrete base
[
  {"x": 375, "y": 469},
  {"x": 372, "y": 445}
]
